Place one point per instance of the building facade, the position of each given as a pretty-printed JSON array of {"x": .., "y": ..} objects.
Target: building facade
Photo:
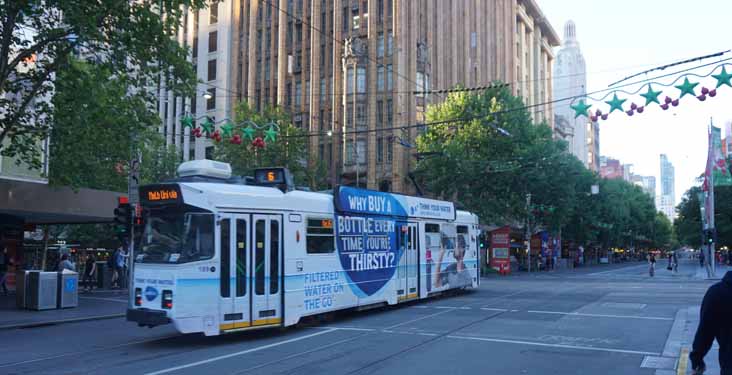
[
  {"x": 570, "y": 80},
  {"x": 667, "y": 197},
  {"x": 350, "y": 71}
]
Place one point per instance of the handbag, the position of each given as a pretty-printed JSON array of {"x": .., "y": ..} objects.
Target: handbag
[{"x": 669, "y": 267}]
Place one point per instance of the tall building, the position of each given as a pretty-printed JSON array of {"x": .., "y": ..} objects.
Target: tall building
[
  {"x": 667, "y": 197},
  {"x": 352, "y": 67},
  {"x": 570, "y": 80},
  {"x": 593, "y": 146}
]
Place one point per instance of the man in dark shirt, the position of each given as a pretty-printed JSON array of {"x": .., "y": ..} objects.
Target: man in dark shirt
[{"x": 715, "y": 323}]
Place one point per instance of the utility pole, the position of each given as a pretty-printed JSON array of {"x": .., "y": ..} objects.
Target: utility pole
[
  {"x": 133, "y": 194},
  {"x": 528, "y": 232}
]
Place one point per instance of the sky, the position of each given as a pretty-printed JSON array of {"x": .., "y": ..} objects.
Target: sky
[{"x": 623, "y": 37}]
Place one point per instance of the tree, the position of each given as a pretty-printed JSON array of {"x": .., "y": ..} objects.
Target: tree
[
  {"x": 688, "y": 224},
  {"x": 92, "y": 136},
  {"x": 290, "y": 148},
  {"x": 134, "y": 40}
]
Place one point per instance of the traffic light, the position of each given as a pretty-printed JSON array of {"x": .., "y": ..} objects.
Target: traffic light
[
  {"x": 709, "y": 235},
  {"x": 122, "y": 219}
]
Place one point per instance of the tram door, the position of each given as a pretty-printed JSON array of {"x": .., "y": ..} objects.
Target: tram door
[
  {"x": 234, "y": 276},
  {"x": 266, "y": 268},
  {"x": 409, "y": 264}
]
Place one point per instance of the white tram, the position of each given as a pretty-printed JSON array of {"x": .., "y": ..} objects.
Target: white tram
[{"x": 220, "y": 254}]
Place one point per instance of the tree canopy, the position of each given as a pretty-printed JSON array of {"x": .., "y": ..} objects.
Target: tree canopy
[
  {"x": 475, "y": 164},
  {"x": 134, "y": 40},
  {"x": 688, "y": 223}
]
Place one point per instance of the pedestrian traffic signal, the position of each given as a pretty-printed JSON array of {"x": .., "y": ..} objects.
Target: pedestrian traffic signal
[
  {"x": 122, "y": 220},
  {"x": 709, "y": 235}
]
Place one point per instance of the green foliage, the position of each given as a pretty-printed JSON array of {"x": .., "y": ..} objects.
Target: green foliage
[
  {"x": 491, "y": 174},
  {"x": 38, "y": 37},
  {"x": 289, "y": 150},
  {"x": 688, "y": 224},
  {"x": 92, "y": 133}
]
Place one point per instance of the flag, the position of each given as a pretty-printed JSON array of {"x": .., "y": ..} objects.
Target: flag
[{"x": 720, "y": 169}]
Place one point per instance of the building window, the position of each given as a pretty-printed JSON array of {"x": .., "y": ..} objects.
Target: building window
[
  {"x": 212, "y": 70},
  {"x": 361, "y": 151},
  {"x": 298, "y": 94},
  {"x": 380, "y": 78},
  {"x": 211, "y": 103},
  {"x": 349, "y": 81},
  {"x": 389, "y": 113},
  {"x": 390, "y": 152},
  {"x": 213, "y": 12},
  {"x": 212, "y": 39},
  {"x": 379, "y": 114},
  {"x": 389, "y": 43},
  {"x": 322, "y": 91},
  {"x": 356, "y": 21},
  {"x": 345, "y": 20},
  {"x": 194, "y": 47},
  {"x": 379, "y": 150},
  {"x": 389, "y": 81},
  {"x": 388, "y": 8},
  {"x": 349, "y": 152},
  {"x": 361, "y": 80},
  {"x": 288, "y": 90},
  {"x": 209, "y": 152},
  {"x": 307, "y": 93},
  {"x": 380, "y": 45},
  {"x": 361, "y": 116},
  {"x": 319, "y": 239},
  {"x": 266, "y": 70},
  {"x": 380, "y": 10}
]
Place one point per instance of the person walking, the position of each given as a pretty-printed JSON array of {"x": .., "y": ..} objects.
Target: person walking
[
  {"x": 115, "y": 270},
  {"x": 651, "y": 264},
  {"x": 90, "y": 269},
  {"x": 121, "y": 266},
  {"x": 66, "y": 264},
  {"x": 715, "y": 323},
  {"x": 675, "y": 262}
]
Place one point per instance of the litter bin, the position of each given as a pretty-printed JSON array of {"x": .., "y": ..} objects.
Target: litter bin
[
  {"x": 21, "y": 285},
  {"x": 41, "y": 290},
  {"x": 68, "y": 289},
  {"x": 104, "y": 276}
]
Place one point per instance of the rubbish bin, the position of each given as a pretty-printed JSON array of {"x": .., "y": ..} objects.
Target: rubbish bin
[
  {"x": 68, "y": 289},
  {"x": 104, "y": 276},
  {"x": 41, "y": 290},
  {"x": 21, "y": 285}
]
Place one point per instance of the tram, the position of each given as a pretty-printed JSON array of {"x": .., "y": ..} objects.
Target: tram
[{"x": 221, "y": 254}]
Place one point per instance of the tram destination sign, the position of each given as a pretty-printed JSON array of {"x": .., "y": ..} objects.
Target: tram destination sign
[
  {"x": 370, "y": 202},
  {"x": 166, "y": 194}
]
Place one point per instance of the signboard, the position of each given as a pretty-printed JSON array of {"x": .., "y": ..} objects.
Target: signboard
[
  {"x": 499, "y": 256},
  {"x": 370, "y": 202},
  {"x": 161, "y": 194}
]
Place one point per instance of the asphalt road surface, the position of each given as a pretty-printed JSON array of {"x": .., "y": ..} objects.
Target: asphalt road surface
[{"x": 601, "y": 320}]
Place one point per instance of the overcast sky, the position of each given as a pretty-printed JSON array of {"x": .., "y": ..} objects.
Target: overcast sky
[{"x": 622, "y": 37}]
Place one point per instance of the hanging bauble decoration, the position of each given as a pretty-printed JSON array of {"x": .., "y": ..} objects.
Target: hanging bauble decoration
[{"x": 258, "y": 143}]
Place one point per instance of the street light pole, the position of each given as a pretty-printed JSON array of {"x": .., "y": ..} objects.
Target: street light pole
[{"x": 528, "y": 232}]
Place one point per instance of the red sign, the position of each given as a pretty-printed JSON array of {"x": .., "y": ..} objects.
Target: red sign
[{"x": 499, "y": 256}]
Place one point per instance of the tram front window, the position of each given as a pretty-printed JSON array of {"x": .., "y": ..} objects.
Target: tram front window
[{"x": 176, "y": 237}]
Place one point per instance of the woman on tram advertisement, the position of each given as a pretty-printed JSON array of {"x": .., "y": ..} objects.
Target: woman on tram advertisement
[{"x": 453, "y": 274}]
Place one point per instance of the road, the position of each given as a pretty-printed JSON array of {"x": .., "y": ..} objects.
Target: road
[{"x": 607, "y": 320}]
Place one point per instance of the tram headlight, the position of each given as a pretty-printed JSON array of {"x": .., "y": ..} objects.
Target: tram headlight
[
  {"x": 138, "y": 297},
  {"x": 167, "y": 299}
]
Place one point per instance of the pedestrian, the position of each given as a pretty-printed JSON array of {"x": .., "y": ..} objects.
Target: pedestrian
[
  {"x": 4, "y": 269},
  {"x": 701, "y": 258},
  {"x": 715, "y": 323},
  {"x": 652, "y": 264},
  {"x": 115, "y": 270},
  {"x": 66, "y": 264},
  {"x": 675, "y": 262},
  {"x": 121, "y": 265},
  {"x": 90, "y": 269}
]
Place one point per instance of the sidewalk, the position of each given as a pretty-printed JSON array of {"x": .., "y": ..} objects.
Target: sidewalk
[
  {"x": 701, "y": 272},
  {"x": 104, "y": 304}
]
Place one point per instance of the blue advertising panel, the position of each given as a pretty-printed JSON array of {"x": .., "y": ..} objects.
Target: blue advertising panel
[{"x": 370, "y": 202}]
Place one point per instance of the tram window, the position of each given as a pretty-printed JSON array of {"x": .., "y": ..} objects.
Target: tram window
[
  {"x": 225, "y": 257},
  {"x": 432, "y": 228},
  {"x": 320, "y": 236},
  {"x": 274, "y": 260},
  {"x": 462, "y": 229},
  {"x": 241, "y": 258},
  {"x": 259, "y": 258},
  {"x": 172, "y": 237}
]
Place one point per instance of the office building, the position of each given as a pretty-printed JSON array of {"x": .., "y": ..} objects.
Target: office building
[{"x": 667, "y": 196}]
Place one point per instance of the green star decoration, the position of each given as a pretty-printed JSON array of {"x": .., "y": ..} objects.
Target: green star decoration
[
  {"x": 227, "y": 129},
  {"x": 208, "y": 126},
  {"x": 187, "y": 122},
  {"x": 651, "y": 96},
  {"x": 687, "y": 88},
  {"x": 723, "y": 78},
  {"x": 270, "y": 134},
  {"x": 580, "y": 109},
  {"x": 616, "y": 103},
  {"x": 249, "y": 132}
]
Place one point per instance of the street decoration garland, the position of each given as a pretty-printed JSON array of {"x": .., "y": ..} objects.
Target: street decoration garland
[
  {"x": 651, "y": 94},
  {"x": 235, "y": 133}
]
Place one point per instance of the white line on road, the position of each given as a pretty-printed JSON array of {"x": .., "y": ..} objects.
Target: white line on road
[
  {"x": 252, "y": 350},
  {"x": 493, "y": 309},
  {"x": 616, "y": 270},
  {"x": 418, "y": 319},
  {"x": 592, "y": 348},
  {"x": 106, "y": 299},
  {"x": 599, "y": 315}
]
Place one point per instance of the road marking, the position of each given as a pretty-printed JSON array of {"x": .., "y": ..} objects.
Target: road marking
[
  {"x": 615, "y": 270},
  {"x": 493, "y": 309},
  {"x": 600, "y": 315},
  {"x": 106, "y": 299},
  {"x": 683, "y": 361},
  {"x": 418, "y": 319},
  {"x": 578, "y": 347},
  {"x": 252, "y": 350},
  {"x": 348, "y": 329}
]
